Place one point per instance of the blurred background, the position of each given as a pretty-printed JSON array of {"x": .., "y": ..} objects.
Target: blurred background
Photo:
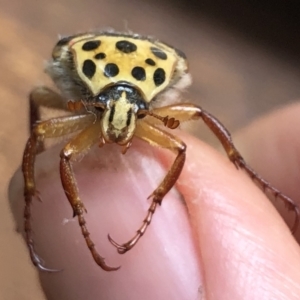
[{"x": 244, "y": 59}]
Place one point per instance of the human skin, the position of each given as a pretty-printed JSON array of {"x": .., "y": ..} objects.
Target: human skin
[{"x": 225, "y": 241}]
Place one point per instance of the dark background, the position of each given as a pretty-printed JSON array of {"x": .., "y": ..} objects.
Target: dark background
[{"x": 274, "y": 25}]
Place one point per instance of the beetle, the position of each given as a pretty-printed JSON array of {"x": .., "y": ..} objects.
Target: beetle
[{"x": 113, "y": 83}]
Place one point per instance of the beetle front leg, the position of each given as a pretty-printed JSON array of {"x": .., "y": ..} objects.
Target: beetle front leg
[
  {"x": 186, "y": 112},
  {"x": 77, "y": 147},
  {"x": 159, "y": 138},
  {"x": 47, "y": 129}
]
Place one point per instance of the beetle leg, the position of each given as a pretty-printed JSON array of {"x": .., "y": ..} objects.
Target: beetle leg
[
  {"x": 156, "y": 137},
  {"x": 185, "y": 112},
  {"x": 47, "y": 129},
  {"x": 44, "y": 97},
  {"x": 78, "y": 146}
]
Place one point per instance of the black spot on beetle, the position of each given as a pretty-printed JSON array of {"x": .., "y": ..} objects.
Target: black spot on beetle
[
  {"x": 126, "y": 46},
  {"x": 150, "y": 62},
  {"x": 138, "y": 73},
  {"x": 100, "y": 55},
  {"x": 159, "y": 76},
  {"x": 91, "y": 45},
  {"x": 159, "y": 53},
  {"x": 111, "y": 70},
  {"x": 89, "y": 68}
]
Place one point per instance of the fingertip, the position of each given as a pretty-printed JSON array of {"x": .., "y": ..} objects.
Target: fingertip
[
  {"x": 238, "y": 231},
  {"x": 271, "y": 145},
  {"x": 163, "y": 265}
]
